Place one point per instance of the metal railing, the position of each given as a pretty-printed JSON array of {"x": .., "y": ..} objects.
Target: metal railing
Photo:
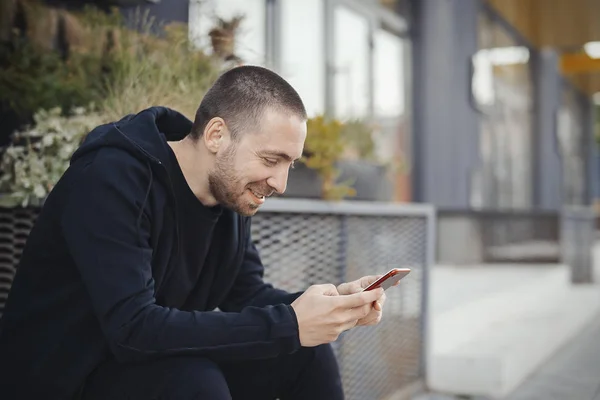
[
  {"x": 305, "y": 242},
  {"x": 578, "y": 233},
  {"x": 524, "y": 236},
  {"x": 504, "y": 235}
]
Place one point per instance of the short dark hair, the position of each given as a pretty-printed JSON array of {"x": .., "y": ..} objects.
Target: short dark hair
[{"x": 241, "y": 95}]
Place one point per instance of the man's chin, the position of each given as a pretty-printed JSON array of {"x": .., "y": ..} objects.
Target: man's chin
[{"x": 248, "y": 210}]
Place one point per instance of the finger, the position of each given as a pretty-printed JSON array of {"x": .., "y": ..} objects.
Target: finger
[
  {"x": 367, "y": 280},
  {"x": 350, "y": 287},
  {"x": 371, "y": 319},
  {"x": 349, "y": 325},
  {"x": 378, "y": 306},
  {"x": 326, "y": 289},
  {"x": 359, "y": 299},
  {"x": 382, "y": 300},
  {"x": 360, "y": 312}
]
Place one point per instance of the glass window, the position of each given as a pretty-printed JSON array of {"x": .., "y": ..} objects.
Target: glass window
[
  {"x": 389, "y": 95},
  {"x": 351, "y": 74},
  {"x": 302, "y": 51},
  {"x": 571, "y": 141},
  {"x": 503, "y": 89},
  {"x": 388, "y": 74}
]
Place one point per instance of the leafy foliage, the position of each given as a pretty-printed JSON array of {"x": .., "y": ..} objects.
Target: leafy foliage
[
  {"x": 33, "y": 79},
  {"x": 323, "y": 148},
  {"x": 114, "y": 71},
  {"x": 39, "y": 155},
  {"x": 358, "y": 139}
]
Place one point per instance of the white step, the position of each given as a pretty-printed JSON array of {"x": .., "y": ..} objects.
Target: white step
[
  {"x": 489, "y": 342},
  {"x": 464, "y": 303}
]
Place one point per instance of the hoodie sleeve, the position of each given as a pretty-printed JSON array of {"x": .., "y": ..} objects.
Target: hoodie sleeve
[
  {"x": 106, "y": 225},
  {"x": 249, "y": 289}
]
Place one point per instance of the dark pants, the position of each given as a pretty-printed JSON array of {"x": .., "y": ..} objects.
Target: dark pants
[{"x": 310, "y": 373}]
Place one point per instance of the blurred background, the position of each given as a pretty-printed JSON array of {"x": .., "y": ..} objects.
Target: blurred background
[{"x": 455, "y": 137}]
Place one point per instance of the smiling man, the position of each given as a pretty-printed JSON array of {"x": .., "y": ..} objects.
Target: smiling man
[{"x": 140, "y": 279}]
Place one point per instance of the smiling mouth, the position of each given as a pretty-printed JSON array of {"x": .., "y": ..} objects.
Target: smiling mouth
[
  {"x": 258, "y": 195},
  {"x": 259, "y": 198}
]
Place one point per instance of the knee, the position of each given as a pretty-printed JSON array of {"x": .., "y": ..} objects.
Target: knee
[
  {"x": 322, "y": 356},
  {"x": 196, "y": 378},
  {"x": 165, "y": 378}
]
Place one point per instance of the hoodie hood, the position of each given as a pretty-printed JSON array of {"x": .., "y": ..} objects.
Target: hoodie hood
[{"x": 140, "y": 134}]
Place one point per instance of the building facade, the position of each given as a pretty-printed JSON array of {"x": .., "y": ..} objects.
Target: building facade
[{"x": 479, "y": 114}]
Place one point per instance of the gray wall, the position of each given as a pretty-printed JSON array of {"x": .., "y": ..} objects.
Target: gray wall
[
  {"x": 164, "y": 11},
  {"x": 547, "y": 164},
  {"x": 590, "y": 150},
  {"x": 459, "y": 240},
  {"x": 445, "y": 125}
]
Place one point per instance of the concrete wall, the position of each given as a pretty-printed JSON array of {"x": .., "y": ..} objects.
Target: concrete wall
[
  {"x": 591, "y": 151},
  {"x": 546, "y": 158},
  {"x": 459, "y": 240},
  {"x": 445, "y": 126}
]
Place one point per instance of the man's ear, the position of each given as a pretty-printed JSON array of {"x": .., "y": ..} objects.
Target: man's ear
[{"x": 215, "y": 134}]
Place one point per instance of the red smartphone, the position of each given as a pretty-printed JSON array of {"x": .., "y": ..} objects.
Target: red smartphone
[{"x": 391, "y": 278}]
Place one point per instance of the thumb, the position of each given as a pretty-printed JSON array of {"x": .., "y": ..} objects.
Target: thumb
[
  {"x": 350, "y": 287},
  {"x": 367, "y": 280}
]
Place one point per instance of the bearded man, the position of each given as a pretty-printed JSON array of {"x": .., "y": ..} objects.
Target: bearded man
[{"x": 140, "y": 279}]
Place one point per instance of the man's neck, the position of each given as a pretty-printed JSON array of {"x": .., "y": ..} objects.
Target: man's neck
[{"x": 193, "y": 159}]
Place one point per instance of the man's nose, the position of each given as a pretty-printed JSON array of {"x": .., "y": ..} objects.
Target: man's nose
[{"x": 279, "y": 180}]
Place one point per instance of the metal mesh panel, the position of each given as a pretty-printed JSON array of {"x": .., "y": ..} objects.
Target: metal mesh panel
[
  {"x": 299, "y": 249},
  {"x": 377, "y": 361},
  {"x": 15, "y": 225}
]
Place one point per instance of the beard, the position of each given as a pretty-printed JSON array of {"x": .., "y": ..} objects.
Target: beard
[{"x": 228, "y": 188}]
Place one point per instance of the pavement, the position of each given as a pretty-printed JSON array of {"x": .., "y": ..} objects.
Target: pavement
[{"x": 573, "y": 373}]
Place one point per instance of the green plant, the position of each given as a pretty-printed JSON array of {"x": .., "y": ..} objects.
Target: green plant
[
  {"x": 144, "y": 70},
  {"x": 120, "y": 70},
  {"x": 34, "y": 79},
  {"x": 45, "y": 60},
  {"x": 358, "y": 138},
  {"x": 222, "y": 37},
  {"x": 323, "y": 148},
  {"x": 38, "y": 155}
]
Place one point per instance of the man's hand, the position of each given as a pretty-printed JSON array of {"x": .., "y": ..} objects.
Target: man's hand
[
  {"x": 323, "y": 315},
  {"x": 376, "y": 312}
]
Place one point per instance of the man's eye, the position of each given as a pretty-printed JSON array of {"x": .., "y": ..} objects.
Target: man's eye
[{"x": 270, "y": 161}]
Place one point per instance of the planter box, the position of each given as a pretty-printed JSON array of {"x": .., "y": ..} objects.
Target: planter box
[
  {"x": 303, "y": 182},
  {"x": 369, "y": 180}
]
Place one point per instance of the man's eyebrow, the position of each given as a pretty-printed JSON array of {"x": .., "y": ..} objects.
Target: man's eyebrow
[{"x": 279, "y": 154}]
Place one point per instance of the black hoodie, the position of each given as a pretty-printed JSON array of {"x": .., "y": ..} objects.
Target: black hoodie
[{"x": 101, "y": 277}]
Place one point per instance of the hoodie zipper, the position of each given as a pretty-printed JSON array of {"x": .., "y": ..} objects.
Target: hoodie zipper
[{"x": 171, "y": 192}]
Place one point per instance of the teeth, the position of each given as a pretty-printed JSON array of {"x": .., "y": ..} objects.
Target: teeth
[{"x": 256, "y": 194}]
